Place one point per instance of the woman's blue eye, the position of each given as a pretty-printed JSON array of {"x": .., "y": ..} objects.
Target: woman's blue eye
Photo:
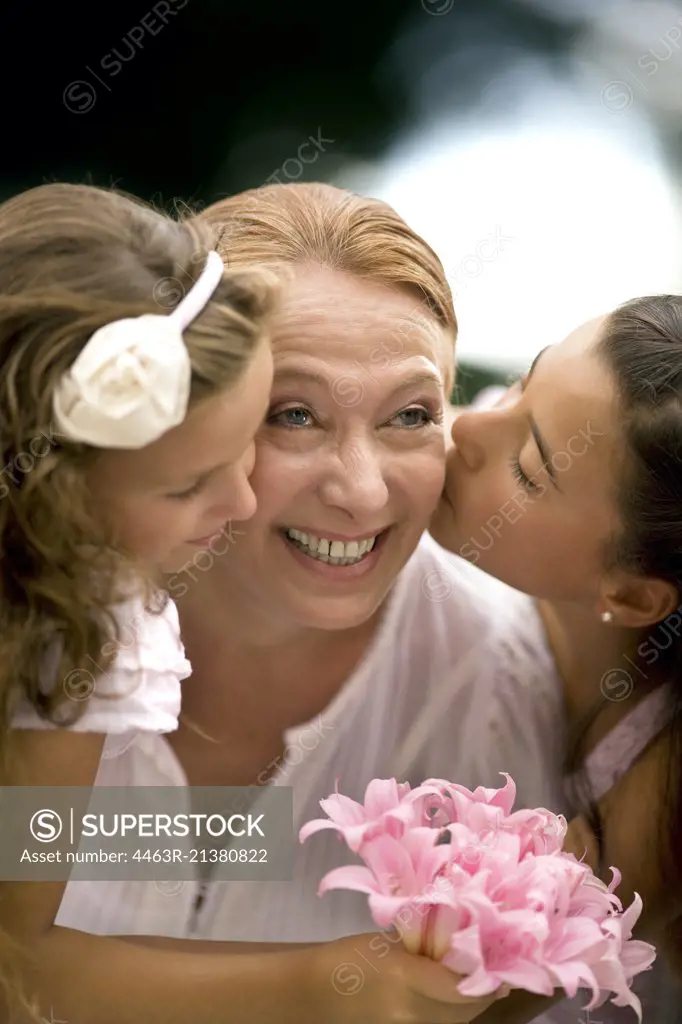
[
  {"x": 297, "y": 416},
  {"x": 416, "y": 416}
]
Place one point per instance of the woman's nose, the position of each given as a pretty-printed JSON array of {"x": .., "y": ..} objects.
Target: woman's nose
[{"x": 357, "y": 483}]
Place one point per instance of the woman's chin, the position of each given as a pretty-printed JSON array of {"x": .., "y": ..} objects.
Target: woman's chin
[{"x": 334, "y": 612}]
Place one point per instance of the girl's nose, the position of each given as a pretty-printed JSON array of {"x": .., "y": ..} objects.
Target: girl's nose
[{"x": 466, "y": 436}]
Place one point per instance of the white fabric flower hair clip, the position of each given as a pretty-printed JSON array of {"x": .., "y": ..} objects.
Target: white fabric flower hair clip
[{"x": 131, "y": 382}]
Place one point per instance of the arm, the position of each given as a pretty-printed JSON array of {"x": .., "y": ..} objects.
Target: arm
[
  {"x": 90, "y": 979},
  {"x": 213, "y": 945},
  {"x": 632, "y": 812},
  {"x": 124, "y": 982}
]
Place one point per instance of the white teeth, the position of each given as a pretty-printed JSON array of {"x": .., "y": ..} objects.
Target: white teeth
[{"x": 335, "y": 552}]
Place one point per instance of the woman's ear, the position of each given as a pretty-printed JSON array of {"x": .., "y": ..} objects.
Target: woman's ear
[{"x": 639, "y": 601}]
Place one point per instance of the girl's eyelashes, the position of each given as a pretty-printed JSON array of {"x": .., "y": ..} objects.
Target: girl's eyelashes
[
  {"x": 191, "y": 492},
  {"x": 519, "y": 474}
]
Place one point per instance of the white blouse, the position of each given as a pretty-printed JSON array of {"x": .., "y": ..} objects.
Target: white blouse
[
  {"x": 458, "y": 683},
  {"x": 141, "y": 690}
]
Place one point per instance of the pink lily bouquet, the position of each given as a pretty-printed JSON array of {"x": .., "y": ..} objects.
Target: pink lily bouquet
[{"x": 486, "y": 891}]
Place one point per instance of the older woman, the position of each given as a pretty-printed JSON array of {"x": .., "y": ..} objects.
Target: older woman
[{"x": 336, "y": 631}]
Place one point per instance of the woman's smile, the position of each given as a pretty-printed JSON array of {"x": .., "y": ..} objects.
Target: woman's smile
[{"x": 335, "y": 557}]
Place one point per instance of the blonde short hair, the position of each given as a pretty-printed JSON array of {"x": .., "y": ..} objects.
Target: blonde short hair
[{"x": 318, "y": 223}]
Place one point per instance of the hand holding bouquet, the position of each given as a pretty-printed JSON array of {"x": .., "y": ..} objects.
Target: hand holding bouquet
[{"x": 486, "y": 891}]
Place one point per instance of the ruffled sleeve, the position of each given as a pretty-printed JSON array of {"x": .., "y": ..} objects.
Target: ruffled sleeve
[{"x": 141, "y": 691}]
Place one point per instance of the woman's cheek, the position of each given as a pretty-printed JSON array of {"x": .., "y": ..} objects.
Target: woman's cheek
[{"x": 422, "y": 477}]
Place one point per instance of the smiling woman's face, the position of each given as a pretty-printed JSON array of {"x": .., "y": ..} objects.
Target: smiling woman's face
[
  {"x": 350, "y": 460},
  {"x": 530, "y": 487}
]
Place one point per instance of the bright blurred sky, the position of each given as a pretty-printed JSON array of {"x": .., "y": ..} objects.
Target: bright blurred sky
[{"x": 579, "y": 194}]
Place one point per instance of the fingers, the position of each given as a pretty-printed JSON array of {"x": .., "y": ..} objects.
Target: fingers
[
  {"x": 461, "y": 1012},
  {"x": 438, "y": 999}
]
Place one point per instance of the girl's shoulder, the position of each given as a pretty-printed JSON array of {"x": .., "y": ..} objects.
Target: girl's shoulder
[{"x": 141, "y": 690}]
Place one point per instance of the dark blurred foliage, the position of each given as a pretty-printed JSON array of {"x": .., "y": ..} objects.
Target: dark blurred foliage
[
  {"x": 200, "y": 98},
  {"x": 194, "y": 97}
]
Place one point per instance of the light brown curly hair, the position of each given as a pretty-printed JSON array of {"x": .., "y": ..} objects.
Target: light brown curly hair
[{"x": 72, "y": 259}]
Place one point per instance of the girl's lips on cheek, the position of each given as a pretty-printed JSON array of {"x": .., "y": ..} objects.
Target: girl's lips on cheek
[
  {"x": 447, "y": 494},
  {"x": 453, "y": 479}
]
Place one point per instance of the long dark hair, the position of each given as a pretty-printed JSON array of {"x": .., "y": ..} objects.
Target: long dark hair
[
  {"x": 641, "y": 342},
  {"x": 73, "y": 258}
]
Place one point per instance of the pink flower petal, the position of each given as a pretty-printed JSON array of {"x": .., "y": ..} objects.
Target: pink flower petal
[
  {"x": 343, "y": 811},
  {"x": 385, "y": 908},
  {"x": 383, "y": 795},
  {"x": 636, "y": 956},
  {"x": 575, "y": 938},
  {"x": 629, "y": 918},
  {"x": 311, "y": 827},
  {"x": 480, "y": 983},
  {"x": 572, "y": 976},
  {"x": 487, "y": 890},
  {"x": 529, "y": 976},
  {"x": 465, "y": 955},
  {"x": 352, "y": 877}
]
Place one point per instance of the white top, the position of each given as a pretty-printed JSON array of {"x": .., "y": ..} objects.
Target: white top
[
  {"x": 458, "y": 683},
  {"x": 141, "y": 690}
]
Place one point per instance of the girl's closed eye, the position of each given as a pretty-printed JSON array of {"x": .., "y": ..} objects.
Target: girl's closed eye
[
  {"x": 191, "y": 492},
  {"x": 523, "y": 478}
]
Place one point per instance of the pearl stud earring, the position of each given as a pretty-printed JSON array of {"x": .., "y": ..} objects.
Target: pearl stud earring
[{"x": 607, "y": 617}]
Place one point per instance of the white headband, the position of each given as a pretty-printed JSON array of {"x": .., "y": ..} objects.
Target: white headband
[{"x": 131, "y": 382}]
